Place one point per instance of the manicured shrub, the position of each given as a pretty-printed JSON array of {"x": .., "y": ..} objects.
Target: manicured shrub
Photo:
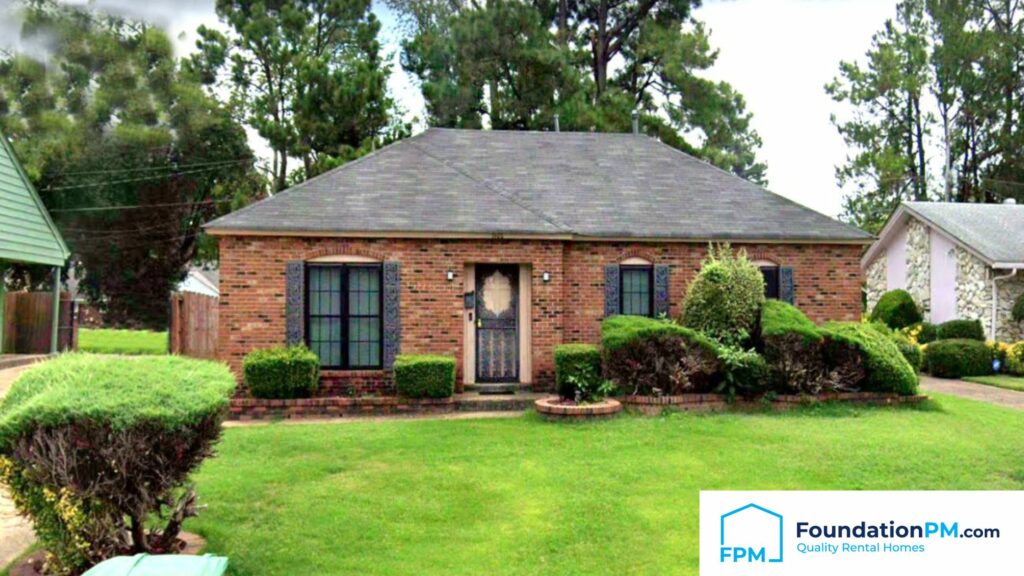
[
  {"x": 896, "y": 309},
  {"x": 886, "y": 370},
  {"x": 957, "y": 358},
  {"x": 961, "y": 329},
  {"x": 96, "y": 451},
  {"x": 578, "y": 369},
  {"x": 1015, "y": 359},
  {"x": 282, "y": 373},
  {"x": 999, "y": 350},
  {"x": 745, "y": 372},
  {"x": 922, "y": 332},
  {"x": 794, "y": 350},
  {"x": 648, "y": 356},
  {"x": 425, "y": 375},
  {"x": 1018, "y": 309},
  {"x": 725, "y": 298},
  {"x": 909, "y": 350}
]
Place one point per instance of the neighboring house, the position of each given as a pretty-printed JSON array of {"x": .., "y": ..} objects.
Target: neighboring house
[
  {"x": 494, "y": 246},
  {"x": 27, "y": 233},
  {"x": 201, "y": 280},
  {"x": 956, "y": 260}
]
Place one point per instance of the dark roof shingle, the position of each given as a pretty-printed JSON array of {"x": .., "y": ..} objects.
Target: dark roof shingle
[{"x": 536, "y": 183}]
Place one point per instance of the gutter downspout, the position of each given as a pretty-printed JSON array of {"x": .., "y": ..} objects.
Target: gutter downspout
[{"x": 995, "y": 300}]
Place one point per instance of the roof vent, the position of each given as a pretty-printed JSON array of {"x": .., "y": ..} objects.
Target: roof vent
[
  {"x": 1010, "y": 201},
  {"x": 636, "y": 122},
  {"x": 556, "y": 123}
]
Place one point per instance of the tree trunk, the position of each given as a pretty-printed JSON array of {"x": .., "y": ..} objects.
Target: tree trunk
[
  {"x": 139, "y": 534},
  {"x": 601, "y": 49}
]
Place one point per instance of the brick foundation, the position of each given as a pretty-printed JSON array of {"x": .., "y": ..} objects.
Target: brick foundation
[{"x": 566, "y": 309}]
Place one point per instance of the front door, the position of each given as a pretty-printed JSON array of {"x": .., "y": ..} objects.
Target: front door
[{"x": 497, "y": 323}]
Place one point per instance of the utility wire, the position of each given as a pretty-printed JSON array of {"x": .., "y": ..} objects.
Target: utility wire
[
  {"x": 150, "y": 168},
  {"x": 133, "y": 206},
  {"x": 130, "y": 180}
]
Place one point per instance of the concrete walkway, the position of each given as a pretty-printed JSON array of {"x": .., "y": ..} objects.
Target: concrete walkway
[
  {"x": 15, "y": 532},
  {"x": 990, "y": 394}
]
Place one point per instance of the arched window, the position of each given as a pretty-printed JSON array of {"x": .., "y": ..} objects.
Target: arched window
[
  {"x": 636, "y": 287},
  {"x": 770, "y": 272}
]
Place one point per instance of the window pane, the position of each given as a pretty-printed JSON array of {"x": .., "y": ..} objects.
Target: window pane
[
  {"x": 636, "y": 291},
  {"x": 771, "y": 281}
]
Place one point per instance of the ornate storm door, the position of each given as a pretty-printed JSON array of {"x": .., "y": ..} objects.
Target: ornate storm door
[{"x": 497, "y": 323}]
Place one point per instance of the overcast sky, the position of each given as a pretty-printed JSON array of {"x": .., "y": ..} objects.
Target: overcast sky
[{"x": 778, "y": 53}]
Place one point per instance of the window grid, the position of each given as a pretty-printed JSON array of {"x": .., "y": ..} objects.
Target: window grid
[
  {"x": 343, "y": 315},
  {"x": 636, "y": 292}
]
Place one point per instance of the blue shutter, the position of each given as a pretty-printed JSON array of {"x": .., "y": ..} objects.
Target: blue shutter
[
  {"x": 295, "y": 303},
  {"x": 611, "y": 290},
  {"x": 787, "y": 292},
  {"x": 661, "y": 301},
  {"x": 392, "y": 318}
]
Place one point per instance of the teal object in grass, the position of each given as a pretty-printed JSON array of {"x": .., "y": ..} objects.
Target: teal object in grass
[{"x": 161, "y": 565}]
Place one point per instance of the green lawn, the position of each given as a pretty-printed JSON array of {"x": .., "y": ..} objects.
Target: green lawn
[
  {"x": 524, "y": 496},
  {"x": 108, "y": 341},
  {"x": 1000, "y": 381}
]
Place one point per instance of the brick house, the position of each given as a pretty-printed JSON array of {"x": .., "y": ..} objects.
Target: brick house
[{"x": 495, "y": 246}]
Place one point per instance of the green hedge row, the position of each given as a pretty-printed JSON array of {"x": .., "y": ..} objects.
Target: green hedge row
[
  {"x": 425, "y": 375},
  {"x": 958, "y": 357},
  {"x": 282, "y": 373}
]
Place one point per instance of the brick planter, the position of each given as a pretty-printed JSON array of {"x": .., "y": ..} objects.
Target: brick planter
[
  {"x": 336, "y": 407},
  {"x": 552, "y": 409},
  {"x": 652, "y": 405}
]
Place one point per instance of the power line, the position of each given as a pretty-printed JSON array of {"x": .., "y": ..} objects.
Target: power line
[
  {"x": 150, "y": 168},
  {"x": 130, "y": 180},
  {"x": 133, "y": 206}
]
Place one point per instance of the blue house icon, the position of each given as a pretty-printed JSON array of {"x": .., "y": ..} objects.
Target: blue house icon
[{"x": 769, "y": 539}]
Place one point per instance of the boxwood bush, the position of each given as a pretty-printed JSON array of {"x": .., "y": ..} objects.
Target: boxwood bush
[
  {"x": 646, "y": 356},
  {"x": 961, "y": 329},
  {"x": 577, "y": 369},
  {"x": 958, "y": 357},
  {"x": 425, "y": 375},
  {"x": 909, "y": 350},
  {"x": 886, "y": 368},
  {"x": 282, "y": 373},
  {"x": 923, "y": 332},
  {"x": 1015, "y": 359},
  {"x": 896, "y": 309},
  {"x": 96, "y": 451},
  {"x": 725, "y": 298},
  {"x": 793, "y": 349}
]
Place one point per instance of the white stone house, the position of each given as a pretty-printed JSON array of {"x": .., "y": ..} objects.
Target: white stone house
[{"x": 956, "y": 260}]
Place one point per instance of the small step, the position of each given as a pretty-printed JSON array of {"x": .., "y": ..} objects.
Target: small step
[
  {"x": 477, "y": 402},
  {"x": 498, "y": 387}
]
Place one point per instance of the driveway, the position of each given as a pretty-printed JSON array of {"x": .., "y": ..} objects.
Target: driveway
[
  {"x": 15, "y": 532},
  {"x": 990, "y": 394}
]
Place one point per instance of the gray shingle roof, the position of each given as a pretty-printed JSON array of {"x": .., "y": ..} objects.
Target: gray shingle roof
[
  {"x": 994, "y": 231},
  {"x": 536, "y": 183}
]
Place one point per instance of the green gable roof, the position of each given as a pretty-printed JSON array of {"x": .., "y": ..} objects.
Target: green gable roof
[{"x": 27, "y": 234}]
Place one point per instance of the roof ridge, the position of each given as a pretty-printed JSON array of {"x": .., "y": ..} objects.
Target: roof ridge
[{"x": 511, "y": 197}]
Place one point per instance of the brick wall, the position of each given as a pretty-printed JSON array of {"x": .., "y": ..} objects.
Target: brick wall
[{"x": 566, "y": 309}]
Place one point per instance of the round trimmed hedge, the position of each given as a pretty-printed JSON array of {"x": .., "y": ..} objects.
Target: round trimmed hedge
[
  {"x": 725, "y": 299},
  {"x": 282, "y": 373},
  {"x": 577, "y": 369},
  {"x": 887, "y": 369},
  {"x": 896, "y": 309},
  {"x": 957, "y": 329},
  {"x": 957, "y": 358},
  {"x": 96, "y": 450}
]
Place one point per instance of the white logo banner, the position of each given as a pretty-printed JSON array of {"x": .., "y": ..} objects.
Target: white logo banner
[{"x": 850, "y": 532}]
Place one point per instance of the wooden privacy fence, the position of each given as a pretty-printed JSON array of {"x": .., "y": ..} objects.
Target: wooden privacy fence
[
  {"x": 193, "y": 327},
  {"x": 28, "y": 323}
]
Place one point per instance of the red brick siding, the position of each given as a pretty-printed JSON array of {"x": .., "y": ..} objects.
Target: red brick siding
[{"x": 568, "y": 308}]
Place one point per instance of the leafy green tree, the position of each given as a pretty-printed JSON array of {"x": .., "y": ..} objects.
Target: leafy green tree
[
  {"x": 961, "y": 58},
  {"x": 514, "y": 65},
  {"x": 127, "y": 151},
  {"x": 308, "y": 76}
]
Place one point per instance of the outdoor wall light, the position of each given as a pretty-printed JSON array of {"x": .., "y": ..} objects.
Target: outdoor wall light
[
  {"x": 450, "y": 275},
  {"x": 546, "y": 276}
]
